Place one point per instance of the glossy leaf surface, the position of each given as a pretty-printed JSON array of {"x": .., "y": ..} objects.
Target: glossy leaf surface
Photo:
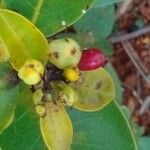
[
  {"x": 106, "y": 129},
  {"x": 21, "y": 39},
  {"x": 8, "y": 99},
  {"x": 117, "y": 83},
  {"x": 89, "y": 131},
  {"x": 94, "y": 90},
  {"x": 97, "y": 21},
  {"x": 56, "y": 127},
  {"x": 48, "y": 15}
]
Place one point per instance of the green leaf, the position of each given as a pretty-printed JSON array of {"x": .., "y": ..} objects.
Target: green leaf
[
  {"x": 126, "y": 111},
  {"x": 117, "y": 83},
  {"x": 7, "y": 107},
  {"x": 4, "y": 69},
  {"x": 50, "y": 16},
  {"x": 144, "y": 143},
  {"x": 56, "y": 127},
  {"x": 100, "y": 3},
  {"x": 21, "y": 39},
  {"x": 107, "y": 129},
  {"x": 94, "y": 90},
  {"x": 25, "y": 127},
  {"x": 98, "y": 21},
  {"x": 8, "y": 99},
  {"x": 104, "y": 45},
  {"x": 24, "y": 133},
  {"x": 138, "y": 131}
]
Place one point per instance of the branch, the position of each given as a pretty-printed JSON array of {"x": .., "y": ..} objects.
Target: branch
[
  {"x": 145, "y": 106},
  {"x": 131, "y": 53},
  {"x": 132, "y": 35},
  {"x": 124, "y": 7}
]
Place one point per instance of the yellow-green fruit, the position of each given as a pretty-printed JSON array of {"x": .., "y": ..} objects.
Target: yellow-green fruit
[
  {"x": 71, "y": 73},
  {"x": 4, "y": 56},
  {"x": 56, "y": 127},
  {"x": 67, "y": 95},
  {"x": 35, "y": 65},
  {"x": 31, "y": 71},
  {"x": 64, "y": 53}
]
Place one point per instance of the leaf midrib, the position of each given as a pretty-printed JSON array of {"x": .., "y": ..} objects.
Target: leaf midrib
[
  {"x": 16, "y": 38},
  {"x": 36, "y": 11}
]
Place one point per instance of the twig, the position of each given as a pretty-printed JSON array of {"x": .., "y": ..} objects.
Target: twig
[
  {"x": 138, "y": 87},
  {"x": 127, "y": 86},
  {"x": 145, "y": 106},
  {"x": 124, "y": 7},
  {"x": 136, "y": 95},
  {"x": 137, "y": 59},
  {"x": 132, "y": 35},
  {"x": 129, "y": 50}
]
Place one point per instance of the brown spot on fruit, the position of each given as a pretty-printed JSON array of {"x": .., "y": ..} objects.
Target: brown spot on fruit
[
  {"x": 31, "y": 65},
  {"x": 98, "y": 85},
  {"x": 73, "y": 51},
  {"x": 56, "y": 55},
  {"x": 87, "y": 7},
  {"x": 49, "y": 55},
  {"x": 67, "y": 40}
]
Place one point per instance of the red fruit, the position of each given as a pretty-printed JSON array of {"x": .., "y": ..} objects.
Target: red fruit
[{"x": 92, "y": 58}]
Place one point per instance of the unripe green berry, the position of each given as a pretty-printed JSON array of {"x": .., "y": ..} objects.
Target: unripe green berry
[
  {"x": 67, "y": 95},
  {"x": 31, "y": 72},
  {"x": 64, "y": 53}
]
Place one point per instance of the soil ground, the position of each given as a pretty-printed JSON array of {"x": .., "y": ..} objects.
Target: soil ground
[{"x": 136, "y": 94}]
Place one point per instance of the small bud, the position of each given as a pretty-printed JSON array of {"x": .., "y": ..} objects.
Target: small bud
[
  {"x": 40, "y": 110},
  {"x": 71, "y": 73},
  {"x": 48, "y": 97},
  {"x": 37, "y": 96},
  {"x": 31, "y": 72}
]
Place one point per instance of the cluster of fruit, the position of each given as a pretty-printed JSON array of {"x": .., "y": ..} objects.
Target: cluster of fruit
[{"x": 66, "y": 55}]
